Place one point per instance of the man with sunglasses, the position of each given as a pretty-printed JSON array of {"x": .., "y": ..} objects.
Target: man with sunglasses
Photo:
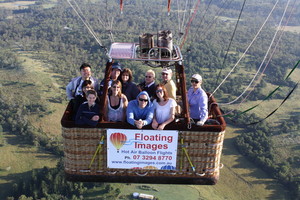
[
  {"x": 140, "y": 111},
  {"x": 198, "y": 101},
  {"x": 149, "y": 84}
]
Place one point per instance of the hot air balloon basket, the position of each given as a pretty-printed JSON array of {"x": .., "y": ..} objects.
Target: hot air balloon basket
[{"x": 198, "y": 157}]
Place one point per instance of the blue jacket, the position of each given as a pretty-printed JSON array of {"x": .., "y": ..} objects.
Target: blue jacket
[
  {"x": 85, "y": 114},
  {"x": 134, "y": 112}
]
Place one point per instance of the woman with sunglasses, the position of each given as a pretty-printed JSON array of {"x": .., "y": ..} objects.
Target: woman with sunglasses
[
  {"x": 198, "y": 101},
  {"x": 164, "y": 108},
  {"x": 116, "y": 103},
  {"x": 128, "y": 87},
  {"x": 140, "y": 111}
]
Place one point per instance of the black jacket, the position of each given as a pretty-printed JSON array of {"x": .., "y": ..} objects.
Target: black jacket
[{"x": 130, "y": 90}]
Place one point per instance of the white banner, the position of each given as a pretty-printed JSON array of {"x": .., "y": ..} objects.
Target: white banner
[{"x": 141, "y": 149}]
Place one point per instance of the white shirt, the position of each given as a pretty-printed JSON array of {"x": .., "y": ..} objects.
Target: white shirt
[{"x": 162, "y": 113}]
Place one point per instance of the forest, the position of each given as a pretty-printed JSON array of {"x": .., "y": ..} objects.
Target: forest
[{"x": 57, "y": 36}]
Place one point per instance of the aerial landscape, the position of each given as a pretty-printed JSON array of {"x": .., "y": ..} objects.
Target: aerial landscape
[{"x": 247, "y": 52}]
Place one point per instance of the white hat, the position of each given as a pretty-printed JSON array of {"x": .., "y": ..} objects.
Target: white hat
[
  {"x": 166, "y": 70},
  {"x": 197, "y": 77}
]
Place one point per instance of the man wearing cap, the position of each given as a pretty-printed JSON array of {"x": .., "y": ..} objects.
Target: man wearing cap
[
  {"x": 115, "y": 73},
  {"x": 198, "y": 101},
  {"x": 74, "y": 88},
  {"x": 168, "y": 82}
]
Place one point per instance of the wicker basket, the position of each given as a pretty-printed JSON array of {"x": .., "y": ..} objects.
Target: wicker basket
[
  {"x": 197, "y": 161},
  {"x": 199, "y": 165}
]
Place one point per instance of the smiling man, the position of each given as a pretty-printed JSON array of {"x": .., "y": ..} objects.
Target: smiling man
[
  {"x": 149, "y": 84},
  {"x": 140, "y": 111},
  {"x": 74, "y": 87},
  {"x": 166, "y": 75}
]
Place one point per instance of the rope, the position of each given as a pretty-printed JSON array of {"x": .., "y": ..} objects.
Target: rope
[
  {"x": 187, "y": 155},
  {"x": 267, "y": 97},
  {"x": 87, "y": 25},
  {"x": 261, "y": 75},
  {"x": 204, "y": 13},
  {"x": 169, "y": 7},
  {"x": 181, "y": 23},
  {"x": 231, "y": 39},
  {"x": 121, "y": 6},
  {"x": 214, "y": 19},
  {"x": 184, "y": 22},
  {"x": 181, "y": 161},
  {"x": 189, "y": 23},
  {"x": 289, "y": 94},
  {"x": 265, "y": 57},
  {"x": 96, "y": 152},
  {"x": 178, "y": 18},
  {"x": 246, "y": 49}
]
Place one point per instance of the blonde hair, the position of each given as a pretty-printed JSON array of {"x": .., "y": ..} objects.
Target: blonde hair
[{"x": 151, "y": 72}]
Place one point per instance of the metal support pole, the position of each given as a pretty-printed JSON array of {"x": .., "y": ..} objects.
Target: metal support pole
[
  {"x": 103, "y": 98},
  {"x": 181, "y": 88}
]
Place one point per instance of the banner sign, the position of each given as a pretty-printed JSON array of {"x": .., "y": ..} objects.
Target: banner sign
[{"x": 142, "y": 149}]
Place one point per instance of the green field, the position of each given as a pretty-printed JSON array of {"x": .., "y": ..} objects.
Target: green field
[
  {"x": 18, "y": 159},
  {"x": 16, "y": 4},
  {"x": 294, "y": 29}
]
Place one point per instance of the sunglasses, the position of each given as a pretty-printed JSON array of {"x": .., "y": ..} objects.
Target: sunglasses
[
  {"x": 115, "y": 86},
  {"x": 148, "y": 76},
  {"x": 164, "y": 74},
  {"x": 159, "y": 91},
  {"x": 194, "y": 81},
  {"x": 145, "y": 100}
]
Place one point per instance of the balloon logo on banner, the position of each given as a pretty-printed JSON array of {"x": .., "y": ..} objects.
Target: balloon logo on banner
[
  {"x": 168, "y": 167},
  {"x": 150, "y": 167},
  {"x": 136, "y": 168},
  {"x": 118, "y": 140}
]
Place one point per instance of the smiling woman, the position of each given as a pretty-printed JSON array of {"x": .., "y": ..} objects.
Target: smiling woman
[
  {"x": 116, "y": 103},
  {"x": 164, "y": 108}
]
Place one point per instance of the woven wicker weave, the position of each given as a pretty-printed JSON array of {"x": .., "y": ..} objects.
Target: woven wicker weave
[{"x": 203, "y": 148}]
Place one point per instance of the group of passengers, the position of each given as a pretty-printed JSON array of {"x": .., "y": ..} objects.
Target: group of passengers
[{"x": 144, "y": 104}]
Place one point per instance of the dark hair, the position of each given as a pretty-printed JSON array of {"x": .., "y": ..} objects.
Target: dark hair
[
  {"x": 84, "y": 65},
  {"x": 129, "y": 72},
  {"x": 91, "y": 92},
  {"x": 85, "y": 83},
  {"x": 166, "y": 96}
]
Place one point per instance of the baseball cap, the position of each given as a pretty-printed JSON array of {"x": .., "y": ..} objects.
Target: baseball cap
[
  {"x": 197, "y": 77},
  {"x": 117, "y": 65},
  {"x": 166, "y": 70}
]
